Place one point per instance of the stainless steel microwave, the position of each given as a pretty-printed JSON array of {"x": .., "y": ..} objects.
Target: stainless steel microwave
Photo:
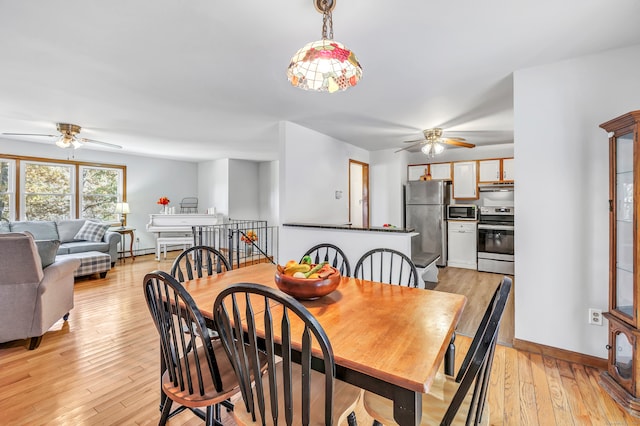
[{"x": 462, "y": 212}]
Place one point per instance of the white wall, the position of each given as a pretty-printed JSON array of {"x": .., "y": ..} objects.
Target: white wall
[
  {"x": 213, "y": 179},
  {"x": 268, "y": 192},
  {"x": 313, "y": 167},
  {"x": 147, "y": 179},
  {"x": 561, "y": 170},
  {"x": 243, "y": 190}
]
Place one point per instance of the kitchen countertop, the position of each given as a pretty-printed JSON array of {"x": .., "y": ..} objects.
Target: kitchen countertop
[{"x": 348, "y": 227}]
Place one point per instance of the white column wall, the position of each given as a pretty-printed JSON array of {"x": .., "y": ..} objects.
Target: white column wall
[
  {"x": 243, "y": 190},
  {"x": 387, "y": 176},
  {"x": 268, "y": 192},
  {"x": 213, "y": 180},
  {"x": 561, "y": 199}
]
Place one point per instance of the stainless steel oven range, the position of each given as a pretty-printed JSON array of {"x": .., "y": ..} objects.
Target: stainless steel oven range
[{"x": 495, "y": 240}]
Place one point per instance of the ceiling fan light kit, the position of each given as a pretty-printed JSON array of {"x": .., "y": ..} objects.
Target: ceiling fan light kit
[
  {"x": 324, "y": 65},
  {"x": 431, "y": 149}
]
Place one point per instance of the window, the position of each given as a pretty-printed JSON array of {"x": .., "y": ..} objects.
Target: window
[
  {"x": 48, "y": 191},
  {"x": 33, "y": 188},
  {"x": 100, "y": 189},
  {"x": 7, "y": 189}
]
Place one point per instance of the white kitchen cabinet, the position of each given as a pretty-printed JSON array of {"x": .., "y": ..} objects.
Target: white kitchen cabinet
[
  {"x": 414, "y": 172},
  {"x": 462, "y": 244},
  {"x": 489, "y": 171},
  {"x": 465, "y": 179},
  {"x": 440, "y": 171},
  {"x": 507, "y": 169},
  {"x": 496, "y": 170}
]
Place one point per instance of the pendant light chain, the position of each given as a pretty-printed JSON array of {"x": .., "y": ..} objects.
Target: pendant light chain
[{"x": 327, "y": 21}]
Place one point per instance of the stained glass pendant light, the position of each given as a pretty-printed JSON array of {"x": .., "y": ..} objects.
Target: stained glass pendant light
[{"x": 324, "y": 65}]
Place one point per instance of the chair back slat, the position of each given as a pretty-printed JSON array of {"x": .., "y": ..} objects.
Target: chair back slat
[
  {"x": 326, "y": 252},
  {"x": 282, "y": 321},
  {"x": 478, "y": 369},
  {"x": 387, "y": 266},
  {"x": 187, "y": 350},
  {"x": 198, "y": 261}
]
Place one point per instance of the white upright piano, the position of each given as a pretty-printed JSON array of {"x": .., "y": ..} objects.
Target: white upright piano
[{"x": 178, "y": 227}]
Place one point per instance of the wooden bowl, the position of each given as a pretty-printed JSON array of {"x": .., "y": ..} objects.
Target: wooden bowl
[{"x": 308, "y": 288}]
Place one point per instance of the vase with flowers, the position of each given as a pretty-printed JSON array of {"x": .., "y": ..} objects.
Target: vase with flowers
[
  {"x": 248, "y": 239},
  {"x": 164, "y": 202}
]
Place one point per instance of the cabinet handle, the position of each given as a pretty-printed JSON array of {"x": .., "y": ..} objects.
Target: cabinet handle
[
  {"x": 497, "y": 175},
  {"x": 504, "y": 175},
  {"x": 608, "y": 347}
]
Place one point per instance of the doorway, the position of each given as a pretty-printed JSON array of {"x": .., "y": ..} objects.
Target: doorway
[{"x": 358, "y": 194}]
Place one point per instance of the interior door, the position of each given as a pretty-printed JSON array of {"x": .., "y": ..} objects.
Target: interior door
[{"x": 358, "y": 193}]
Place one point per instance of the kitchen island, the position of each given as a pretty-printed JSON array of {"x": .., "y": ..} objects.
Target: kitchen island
[{"x": 297, "y": 238}]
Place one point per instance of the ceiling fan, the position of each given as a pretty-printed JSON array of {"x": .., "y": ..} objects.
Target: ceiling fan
[
  {"x": 434, "y": 141},
  {"x": 68, "y": 137}
]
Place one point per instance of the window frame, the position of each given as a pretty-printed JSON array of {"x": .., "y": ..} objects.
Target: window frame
[
  {"x": 70, "y": 194},
  {"x": 81, "y": 194},
  {"x": 19, "y": 195},
  {"x": 11, "y": 187}
]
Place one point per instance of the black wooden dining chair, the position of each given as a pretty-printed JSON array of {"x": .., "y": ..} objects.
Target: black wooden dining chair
[
  {"x": 197, "y": 262},
  {"x": 290, "y": 392},
  {"x": 196, "y": 372},
  {"x": 326, "y": 252},
  {"x": 387, "y": 266},
  {"x": 450, "y": 401}
]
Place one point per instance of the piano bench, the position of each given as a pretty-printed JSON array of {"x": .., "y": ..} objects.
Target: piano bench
[{"x": 163, "y": 242}]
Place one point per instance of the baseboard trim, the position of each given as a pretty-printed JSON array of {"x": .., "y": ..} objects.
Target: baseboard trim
[{"x": 563, "y": 354}]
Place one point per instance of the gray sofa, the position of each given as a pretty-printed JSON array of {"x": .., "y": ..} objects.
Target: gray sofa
[{"x": 65, "y": 231}]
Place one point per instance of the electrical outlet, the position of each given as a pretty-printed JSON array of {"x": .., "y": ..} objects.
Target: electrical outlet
[{"x": 595, "y": 316}]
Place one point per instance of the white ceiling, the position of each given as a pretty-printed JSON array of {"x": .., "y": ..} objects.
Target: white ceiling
[{"x": 205, "y": 79}]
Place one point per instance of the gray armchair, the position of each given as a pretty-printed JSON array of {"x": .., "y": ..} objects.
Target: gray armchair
[{"x": 32, "y": 299}]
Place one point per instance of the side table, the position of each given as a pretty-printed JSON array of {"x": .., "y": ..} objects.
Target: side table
[{"x": 124, "y": 231}]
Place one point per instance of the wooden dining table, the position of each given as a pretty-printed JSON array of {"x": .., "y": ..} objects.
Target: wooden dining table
[{"x": 387, "y": 339}]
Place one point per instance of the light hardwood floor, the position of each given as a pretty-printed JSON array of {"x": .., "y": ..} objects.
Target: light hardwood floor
[
  {"x": 479, "y": 288},
  {"x": 101, "y": 368}
]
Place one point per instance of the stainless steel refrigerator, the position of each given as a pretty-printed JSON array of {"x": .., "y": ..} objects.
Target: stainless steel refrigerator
[{"x": 425, "y": 211}]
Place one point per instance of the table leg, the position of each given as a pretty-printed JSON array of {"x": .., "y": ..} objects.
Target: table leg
[
  {"x": 131, "y": 247},
  {"x": 407, "y": 408}
]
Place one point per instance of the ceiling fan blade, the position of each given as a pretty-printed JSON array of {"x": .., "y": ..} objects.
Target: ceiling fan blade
[
  {"x": 454, "y": 142},
  {"x": 417, "y": 140},
  {"x": 409, "y": 147},
  {"x": 30, "y": 134},
  {"x": 95, "y": 142},
  {"x": 454, "y": 138}
]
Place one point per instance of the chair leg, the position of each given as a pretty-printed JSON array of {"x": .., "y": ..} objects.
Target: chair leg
[
  {"x": 351, "y": 419},
  {"x": 66, "y": 316},
  {"x": 377, "y": 423},
  {"x": 166, "y": 410},
  {"x": 210, "y": 416},
  {"x": 35, "y": 342}
]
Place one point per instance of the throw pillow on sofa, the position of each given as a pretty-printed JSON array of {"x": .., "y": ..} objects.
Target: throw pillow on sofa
[
  {"x": 47, "y": 250},
  {"x": 92, "y": 231}
]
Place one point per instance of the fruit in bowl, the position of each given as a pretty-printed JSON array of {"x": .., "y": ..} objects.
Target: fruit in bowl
[{"x": 307, "y": 281}]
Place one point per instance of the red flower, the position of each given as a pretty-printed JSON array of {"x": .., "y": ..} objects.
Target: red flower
[{"x": 163, "y": 200}]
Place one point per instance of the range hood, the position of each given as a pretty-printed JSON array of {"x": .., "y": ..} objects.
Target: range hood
[{"x": 496, "y": 187}]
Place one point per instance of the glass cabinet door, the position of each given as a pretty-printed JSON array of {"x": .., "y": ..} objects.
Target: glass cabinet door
[
  {"x": 623, "y": 361},
  {"x": 624, "y": 267}
]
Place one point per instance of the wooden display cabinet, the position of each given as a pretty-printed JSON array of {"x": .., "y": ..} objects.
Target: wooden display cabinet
[{"x": 622, "y": 378}]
